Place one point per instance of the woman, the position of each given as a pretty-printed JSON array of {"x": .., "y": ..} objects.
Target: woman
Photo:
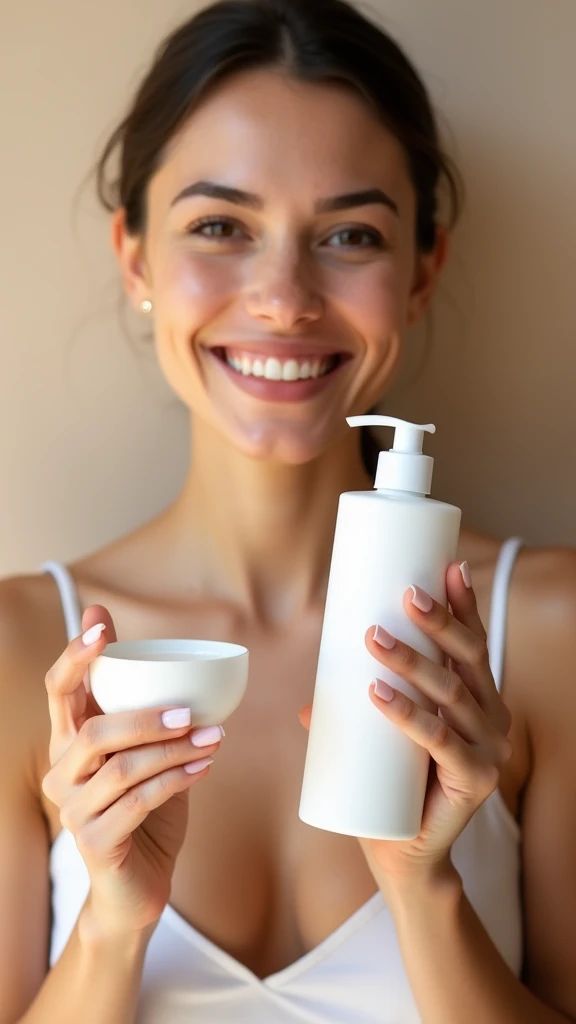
[{"x": 253, "y": 118}]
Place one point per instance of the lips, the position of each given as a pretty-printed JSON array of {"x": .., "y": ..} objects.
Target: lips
[
  {"x": 277, "y": 390},
  {"x": 279, "y": 350}
]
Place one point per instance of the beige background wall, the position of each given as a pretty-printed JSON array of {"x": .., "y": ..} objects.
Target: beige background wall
[{"x": 92, "y": 441}]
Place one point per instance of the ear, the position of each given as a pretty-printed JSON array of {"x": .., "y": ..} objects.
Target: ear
[
  {"x": 128, "y": 250},
  {"x": 426, "y": 273}
]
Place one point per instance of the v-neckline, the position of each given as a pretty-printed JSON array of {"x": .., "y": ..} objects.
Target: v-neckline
[{"x": 373, "y": 905}]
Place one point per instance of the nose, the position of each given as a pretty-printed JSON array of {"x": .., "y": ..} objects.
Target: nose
[{"x": 283, "y": 294}]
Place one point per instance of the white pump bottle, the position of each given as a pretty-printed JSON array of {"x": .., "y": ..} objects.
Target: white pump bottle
[{"x": 363, "y": 776}]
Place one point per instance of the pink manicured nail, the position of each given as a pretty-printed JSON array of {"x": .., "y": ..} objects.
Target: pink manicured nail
[
  {"x": 385, "y": 639},
  {"x": 422, "y": 600},
  {"x": 466, "y": 574},
  {"x": 93, "y": 634},
  {"x": 177, "y": 718},
  {"x": 381, "y": 689},
  {"x": 197, "y": 766},
  {"x": 205, "y": 737}
]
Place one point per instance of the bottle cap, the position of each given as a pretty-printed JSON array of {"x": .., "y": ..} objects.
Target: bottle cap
[{"x": 404, "y": 467}]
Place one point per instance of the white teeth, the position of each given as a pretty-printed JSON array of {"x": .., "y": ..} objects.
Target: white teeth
[
  {"x": 290, "y": 370},
  {"x": 276, "y": 369},
  {"x": 273, "y": 369}
]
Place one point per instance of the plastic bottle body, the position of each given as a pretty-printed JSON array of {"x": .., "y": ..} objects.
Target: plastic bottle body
[{"x": 363, "y": 776}]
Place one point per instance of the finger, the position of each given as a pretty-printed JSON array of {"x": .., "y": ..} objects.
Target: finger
[
  {"x": 462, "y": 598},
  {"x": 128, "y": 768},
  {"x": 465, "y": 647},
  {"x": 93, "y": 615},
  {"x": 465, "y": 608},
  {"x": 65, "y": 675},
  {"x": 458, "y": 641},
  {"x": 442, "y": 685},
  {"x": 63, "y": 680},
  {"x": 100, "y": 835},
  {"x": 102, "y": 735},
  {"x": 471, "y": 774}
]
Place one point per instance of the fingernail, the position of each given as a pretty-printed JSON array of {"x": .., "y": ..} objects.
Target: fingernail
[
  {"x": 177, "y": 718},
  {"x": 93, "y": 634},
  {"x": 197, "y": 766},
  {"x": 466, "y": 574},
  {"x": 422, "y": 600},
  {"x": 381, "y": 689},
  {"x": 204, "y": 737},
  {"x": 385, "y": 639}
]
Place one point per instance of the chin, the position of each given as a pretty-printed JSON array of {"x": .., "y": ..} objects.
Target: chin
[{"x": 284, "y": 444}]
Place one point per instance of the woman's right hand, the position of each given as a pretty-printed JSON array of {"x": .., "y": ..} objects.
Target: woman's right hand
[{"x": 121, "y": 783}]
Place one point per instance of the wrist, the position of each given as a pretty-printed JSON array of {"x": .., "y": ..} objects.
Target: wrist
[
  {"x": 98, "y": 932},
  {"x": 438, "y": 883}
]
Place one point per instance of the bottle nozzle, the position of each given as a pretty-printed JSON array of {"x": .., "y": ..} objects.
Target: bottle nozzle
[{"x": 404, "y": 467}]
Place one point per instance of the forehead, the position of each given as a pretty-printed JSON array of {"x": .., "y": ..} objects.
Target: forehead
[{"x": 268, "y": 132}]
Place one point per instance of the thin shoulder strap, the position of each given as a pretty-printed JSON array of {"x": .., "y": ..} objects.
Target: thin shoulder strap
[
  {"x": 499, "y": 606},
  {"x": 68, "y": 597}
]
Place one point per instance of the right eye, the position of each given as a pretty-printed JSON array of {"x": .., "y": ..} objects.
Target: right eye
[{"x": 213, "y": 222}]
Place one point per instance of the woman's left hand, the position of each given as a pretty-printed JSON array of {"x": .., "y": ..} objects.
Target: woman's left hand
[{"x": 467, "y": 741}]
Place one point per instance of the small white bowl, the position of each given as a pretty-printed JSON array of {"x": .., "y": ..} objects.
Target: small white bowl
[{"x": 207, "y": 676}]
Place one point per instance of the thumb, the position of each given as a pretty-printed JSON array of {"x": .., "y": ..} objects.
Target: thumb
[
  {"x": 304, "y": 715},
  {"x": 90, "y": 616}
]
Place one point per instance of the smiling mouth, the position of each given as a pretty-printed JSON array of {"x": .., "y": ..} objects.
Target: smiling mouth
[{"x": 286, "y": 369}]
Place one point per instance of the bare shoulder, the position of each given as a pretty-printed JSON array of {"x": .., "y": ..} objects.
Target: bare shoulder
[
  {"x": 551, "y": 568},
  {"x": 543, "y": 598},
  {"x": 31, "y": 625},
  {"x": 31, "y": 635},
  {"x": 542, "y": 625},
  {"x": 542, "y": 661},
  {"x": 26, "y": 616}
]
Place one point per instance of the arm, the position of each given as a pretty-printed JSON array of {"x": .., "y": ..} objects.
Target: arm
[
  {"x": 455, "y": 971},
  {"x": 72, "y": 991}
]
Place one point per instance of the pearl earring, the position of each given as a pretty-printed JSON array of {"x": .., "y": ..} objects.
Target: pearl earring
[{"x": 146, "y": 306}]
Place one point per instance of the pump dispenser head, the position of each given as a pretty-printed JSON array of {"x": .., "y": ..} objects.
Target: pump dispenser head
[{"x": 404, "y": 467}]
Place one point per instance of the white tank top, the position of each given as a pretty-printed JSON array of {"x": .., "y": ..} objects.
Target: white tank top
[{"x": 356, "y": 976}]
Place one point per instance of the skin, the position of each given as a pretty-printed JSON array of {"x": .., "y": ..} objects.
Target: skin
[{"x": 243, "y": 554}]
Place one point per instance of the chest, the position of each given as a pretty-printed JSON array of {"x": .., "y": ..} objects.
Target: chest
[{"x": 251, "y": 877}]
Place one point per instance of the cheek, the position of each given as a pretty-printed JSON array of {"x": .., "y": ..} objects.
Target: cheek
[
  {"x": 373, "y": 299},
  {"x": 191, "y": 288}
]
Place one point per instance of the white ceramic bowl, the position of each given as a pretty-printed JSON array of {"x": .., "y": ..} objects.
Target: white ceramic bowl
[{"x": 207, "y": 676}]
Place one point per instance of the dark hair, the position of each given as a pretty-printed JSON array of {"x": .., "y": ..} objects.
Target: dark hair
[{"x": 314, "y": 41}]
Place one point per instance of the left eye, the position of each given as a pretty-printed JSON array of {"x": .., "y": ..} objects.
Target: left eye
[
  {"x": 352, "y": 237},
  {"x": 218, "y": 225}
]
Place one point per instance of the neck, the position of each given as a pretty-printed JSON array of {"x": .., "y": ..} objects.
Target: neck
[{"x": 260, "y": 533}]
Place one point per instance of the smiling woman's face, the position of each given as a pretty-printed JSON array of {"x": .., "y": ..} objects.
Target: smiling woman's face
[{"x": 280, "y": 280}]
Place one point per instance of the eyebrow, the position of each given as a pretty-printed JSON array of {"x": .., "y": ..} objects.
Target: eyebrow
[{"x": 329, "y": 205}]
